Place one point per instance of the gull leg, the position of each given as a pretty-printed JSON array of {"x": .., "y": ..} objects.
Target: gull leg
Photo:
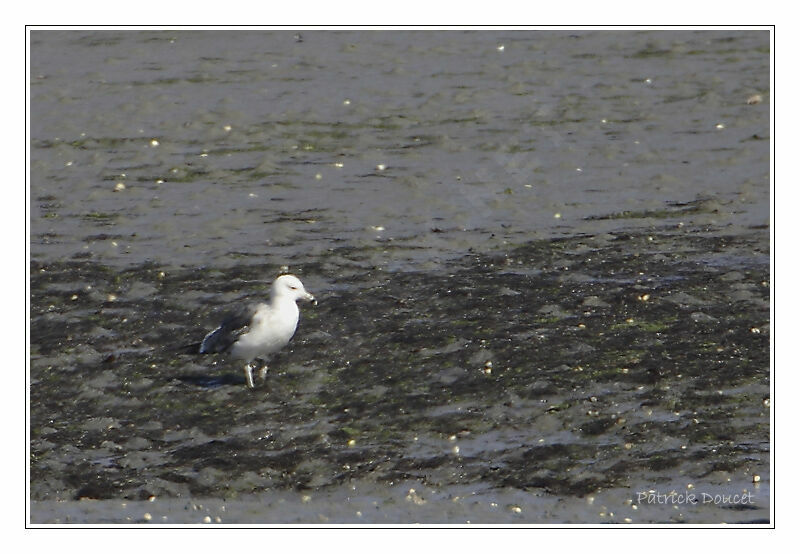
[
  {"x": 248, "y": 375},
  {"x": 262, "y": 373}
]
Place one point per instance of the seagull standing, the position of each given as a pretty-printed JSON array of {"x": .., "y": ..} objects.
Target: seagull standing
[{"x": 258, "y": 330}]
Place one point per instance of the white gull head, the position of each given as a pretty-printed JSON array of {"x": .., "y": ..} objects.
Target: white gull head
[{"x": 290, "y": 287}]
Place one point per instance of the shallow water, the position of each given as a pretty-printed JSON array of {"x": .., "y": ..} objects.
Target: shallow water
[
  {"x": 542, "y": 260},
  {"x": 274, "y": 149}
]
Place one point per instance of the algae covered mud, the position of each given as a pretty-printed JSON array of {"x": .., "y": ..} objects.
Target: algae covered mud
[
  {"x": 541, "y": 260},
  {"x": 510, "y": 388}
]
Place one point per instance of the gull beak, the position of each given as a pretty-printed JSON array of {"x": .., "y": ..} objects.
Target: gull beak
[{"x": 310, "y": 298}]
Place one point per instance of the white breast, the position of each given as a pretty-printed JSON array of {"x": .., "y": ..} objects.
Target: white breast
[{"x": 271, "y": 329}]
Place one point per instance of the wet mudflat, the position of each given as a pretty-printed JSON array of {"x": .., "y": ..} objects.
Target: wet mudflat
[
  {"x": 559, "y": 368},
  {"x": 542, "y": 261}
]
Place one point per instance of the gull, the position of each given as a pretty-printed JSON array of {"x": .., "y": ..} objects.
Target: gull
[{"x": 258, "y": 330}]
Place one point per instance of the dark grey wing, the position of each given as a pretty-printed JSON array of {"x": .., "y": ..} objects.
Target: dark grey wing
[{"x": 232, "y": 327}]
